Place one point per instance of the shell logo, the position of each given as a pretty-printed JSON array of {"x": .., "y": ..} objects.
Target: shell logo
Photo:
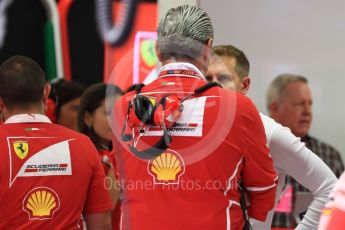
[
  {"x": 167, "y": 168},
  {"x": 41, "y": 203},
  {"x": 327, "y": 211}
]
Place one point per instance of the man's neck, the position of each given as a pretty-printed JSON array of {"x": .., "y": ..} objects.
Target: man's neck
[
  {"x": 196, "y": 63},
  {"x": 27, "y": 110}
]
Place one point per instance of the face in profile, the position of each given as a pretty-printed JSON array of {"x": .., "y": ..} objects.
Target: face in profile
[
  {"x": 68, "y": 115},
  {"x": 99, "y": 122},
  {"x": 295, "y": 108},
  {"x": 222, "y": 70}
]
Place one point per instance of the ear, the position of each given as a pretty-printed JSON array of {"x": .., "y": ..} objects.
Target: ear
[
  {"x": 208, "y": 49},
  {"x": 245, "y": 85},
  {"x": 158, "y": 53},
  {"x": 88, "y": 119},
  {"x": 2, "y": 106},
  {"x": 3, "y": 111},
  {"x": 46, "y": 92},
  {"x": 209, "y": 43},
  {"x": 273, "y": 109}
]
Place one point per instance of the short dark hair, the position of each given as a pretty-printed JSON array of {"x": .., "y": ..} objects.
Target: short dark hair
[
  {"x": 64, "y": 91},
  {"x": 242, "y": 64},
  {"x": 92, "y": 99},
  {"x": 22, "y": 82}
]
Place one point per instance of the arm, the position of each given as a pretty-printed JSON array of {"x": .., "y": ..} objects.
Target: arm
[
  {"x": 258, "y": 174},
  {"x": 291, "y": 155},
  {"x": 98, "y": 203},
  {"x": 98, "y": 221},
  {"x": 114, "y": 187}
]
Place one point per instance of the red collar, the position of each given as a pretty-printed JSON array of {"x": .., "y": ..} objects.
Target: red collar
[{"x": 179, "y": 72}]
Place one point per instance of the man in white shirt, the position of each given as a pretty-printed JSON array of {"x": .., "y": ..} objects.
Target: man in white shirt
[{"x": 230, "y": 67}]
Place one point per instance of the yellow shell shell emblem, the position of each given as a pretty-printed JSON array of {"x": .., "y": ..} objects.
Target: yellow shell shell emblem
[
  {"x": 41, "y": 203},
  {"x": 166, "y": 168},
  {"x": 327, "y": 211}
]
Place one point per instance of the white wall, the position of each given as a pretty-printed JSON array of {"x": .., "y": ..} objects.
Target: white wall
[
  {"x": 165, "y": 5},
  {"x": 305, "y": 37}
]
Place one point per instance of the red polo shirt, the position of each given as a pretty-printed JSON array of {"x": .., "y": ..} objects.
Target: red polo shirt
[
  {"x": 218, "y": 141},
  {"x": 49, "y": 175}
]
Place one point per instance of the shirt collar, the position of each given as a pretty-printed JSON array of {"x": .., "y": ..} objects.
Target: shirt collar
[
  {"x": 182, "y": 66},
  {"x": 306, "y": 138},
  {"x": 27, "y": 118}
]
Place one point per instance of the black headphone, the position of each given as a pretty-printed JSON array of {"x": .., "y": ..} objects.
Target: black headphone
[{"x": 141, "y": 111}]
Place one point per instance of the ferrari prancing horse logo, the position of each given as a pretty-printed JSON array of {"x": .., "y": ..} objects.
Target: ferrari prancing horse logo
[{"x": 21, "y": 148}]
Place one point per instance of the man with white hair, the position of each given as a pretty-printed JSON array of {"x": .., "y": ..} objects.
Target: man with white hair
[
  {"x": 289, "y": 102},
  {"x": 190, "y": 143}
]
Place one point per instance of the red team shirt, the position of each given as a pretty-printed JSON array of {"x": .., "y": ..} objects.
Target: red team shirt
[
  {"x": 218, "y": 140},
  {"x": 49, "y": 175},
  {"x": 116, "y": 213}
]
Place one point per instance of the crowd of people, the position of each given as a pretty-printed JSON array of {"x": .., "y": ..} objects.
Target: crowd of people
[{"x": 187, "y": 151}]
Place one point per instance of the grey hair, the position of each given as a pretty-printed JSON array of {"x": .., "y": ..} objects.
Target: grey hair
[
  {"x": 275, "y": 91},
  {"x": 183, "y": 32}
]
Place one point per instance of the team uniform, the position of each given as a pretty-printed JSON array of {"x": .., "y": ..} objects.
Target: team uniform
[
  {"x": 218, "y": 141},
  {"x": 49, "y": 175},
  {"x": 292, "y": 157},
  {"x": 333, "y": 215},
  {"x": 108, "y": 159}
]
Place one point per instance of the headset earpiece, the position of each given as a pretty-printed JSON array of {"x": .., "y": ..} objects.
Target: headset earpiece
[
  {"x": 164, "y": 113},
  {"x": 167, "y": 111},
  {"x": 141, "y": 112}
]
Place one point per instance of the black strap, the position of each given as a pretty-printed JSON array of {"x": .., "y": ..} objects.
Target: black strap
[
  {"x": 156, "y": 150},
  {"x": 206, "y": 87},
  {"x": 247, "y": 225}
]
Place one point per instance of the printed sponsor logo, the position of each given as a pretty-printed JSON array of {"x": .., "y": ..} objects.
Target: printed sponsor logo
[
  {"x": 189, "y": 124},
  {"x": 21, "y": 148},
  {"x": 46, "y": 168},
  {"x": 182, "y": 127},
  {"x": 41, "y": 203},
  {"x": 167, "y": 168},
  {"x": 53, "y": 160}
]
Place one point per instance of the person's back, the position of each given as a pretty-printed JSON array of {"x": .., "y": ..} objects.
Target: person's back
[
  {"x": 46, "y": 172},
  {"x": 49, "y": 175},
  {"x": 194, "y": 183},
  {"x": 183, "y": 146}
]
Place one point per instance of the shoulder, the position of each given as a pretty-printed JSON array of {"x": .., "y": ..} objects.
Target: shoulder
[
  {"x": 80, "y": 139},
  {"x": 246, "y": 110},
  {"x": 273, "y": 129},
  {"x": 66, "y": 131},
  {"x": 269, "y": 123},
  {"x": 269, "y": 126},
  {"x": 245, "y": 104}
]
